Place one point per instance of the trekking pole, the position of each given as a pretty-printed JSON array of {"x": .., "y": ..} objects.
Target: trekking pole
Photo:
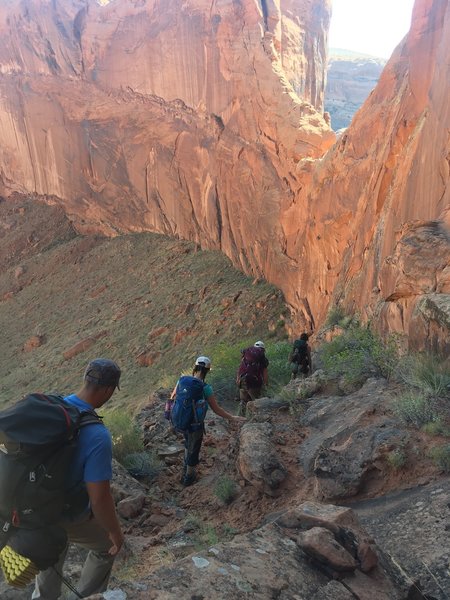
[{"x": 67, "y": 583}]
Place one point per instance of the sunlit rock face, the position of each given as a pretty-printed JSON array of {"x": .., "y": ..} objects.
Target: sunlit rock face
[
  {"x": 373, "y": 216},
  {"x": 203, "y": 120},
  {"x": 175, "y": 116}
]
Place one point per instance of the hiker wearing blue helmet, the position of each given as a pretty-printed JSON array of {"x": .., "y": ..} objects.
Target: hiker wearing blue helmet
[
  {"x": 191, "y": 398},
  {"x": 92, "y": 520}
]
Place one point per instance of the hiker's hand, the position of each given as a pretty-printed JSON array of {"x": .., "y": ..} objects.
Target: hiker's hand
[
  {"x": 117, "y": 540},
  {"x": 239, "y": 419}
]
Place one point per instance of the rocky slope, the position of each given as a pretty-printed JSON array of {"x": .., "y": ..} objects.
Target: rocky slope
[
  {"x": 279, "y": 535},
  {"x": 350, "y": 80},
  {"x": 183, "y": 118},
  {"x": 150, "y": 302}
]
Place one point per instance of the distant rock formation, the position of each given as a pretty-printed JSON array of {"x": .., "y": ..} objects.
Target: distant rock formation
[
  {"x": 351, "y": 78},
  {"x": 184, "y": 118}
]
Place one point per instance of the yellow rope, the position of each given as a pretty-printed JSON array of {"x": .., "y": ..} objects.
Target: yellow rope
[{"x": 18, "y": 570}]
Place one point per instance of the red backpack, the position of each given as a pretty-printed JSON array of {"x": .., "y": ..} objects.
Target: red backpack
[{"x": 252, "y": 366}]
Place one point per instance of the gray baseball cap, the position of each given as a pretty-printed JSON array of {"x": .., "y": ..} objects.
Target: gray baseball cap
[{"x": 104, "y": 372}]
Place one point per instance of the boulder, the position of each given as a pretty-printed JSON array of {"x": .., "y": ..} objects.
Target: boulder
[
  {"x": 258, "y": 461},
  {"x": 320, "y": 544},
  {"x": 132, "y": 506},
  {"x": 341, "y": 451},
  {"x": 266, "y": 405}
]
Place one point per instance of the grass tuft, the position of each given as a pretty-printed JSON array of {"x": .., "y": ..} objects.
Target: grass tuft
[
  {"x": 441, "y": 457},
  {"x": 225, "y": 490},
  {"x": 397, "y": 459},
  {"x": 428, "y": 373},
  {"x": 415, "y": 408}
]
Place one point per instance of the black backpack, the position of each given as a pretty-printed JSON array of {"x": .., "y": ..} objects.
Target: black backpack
[
  {"x": 38, "y": 437},
  {"x": 299, "y": 353}
]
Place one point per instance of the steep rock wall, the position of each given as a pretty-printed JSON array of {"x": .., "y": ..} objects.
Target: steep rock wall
[
  {"x": 183, "y": 117},
  {"x": 372, "y": 220},
  {"x": 170, "y": 116}
]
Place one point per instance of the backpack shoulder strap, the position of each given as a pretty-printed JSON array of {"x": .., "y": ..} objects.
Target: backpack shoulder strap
[{"x": 89, "y": 417}]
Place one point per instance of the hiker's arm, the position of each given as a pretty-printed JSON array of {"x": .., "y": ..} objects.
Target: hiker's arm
[
  {"x": 174, "y": 393},
  {"x": 310, "y": 361},
  {"x": 104, "y": 510},
  {"x": 265, "y": 376},
  {"x": 222, "y": 412}
]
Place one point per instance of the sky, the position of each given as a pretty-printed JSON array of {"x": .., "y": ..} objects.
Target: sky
[{"x": 369, "y": 26}]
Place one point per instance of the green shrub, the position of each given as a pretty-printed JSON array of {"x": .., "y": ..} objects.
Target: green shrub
[
  {"x": 415, "y": 408},
  {"x": 225, "y": 490},
  {"x": 335, "y": 315},
  {"x": 125, "y": 434},
  {"x": 357, "y": 354},
  {"x": 428, "y": 373},
  {"x": 229, "y": 531},
  {"x": 397, "y": 459},
  {"x": 441, "y": 457},
  {"x": 226, "y": 360},
  {"x": 142, "y": 465},
  {"x": 436, "y": 428}
]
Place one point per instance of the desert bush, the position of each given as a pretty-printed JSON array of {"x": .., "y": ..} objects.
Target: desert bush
[
  {"x": 441, "y": 457},
  {"x": 427, "y": 373},
  {"x": 225, "y": 490},
  {"x": 357, "y": 354},
  {"x": 125, "y": 434},
  {"x": 292, "y": 396},
  {"x": 397, "y": 459},
  {"x": 226, "y": 360},
  {"x": 335, "y": 316},
  {"x": 415, "y": 408},
  {"x": 142, "y": 465},
  {"x": 437, "y": 427}
]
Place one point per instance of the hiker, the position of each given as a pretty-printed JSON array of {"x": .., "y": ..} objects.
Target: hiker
[
  {"x": 93, "y": 523},
  {"x": 252, "y": 374},
  {"x": 192, "y": 397},
  {"x": 300, "y": 357}
]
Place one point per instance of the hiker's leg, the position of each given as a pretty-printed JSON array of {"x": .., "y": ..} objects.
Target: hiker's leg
[
  {"x": 193, "y": 444},
  {"x": 254, "y": 393},
  {"x": 98, "y": 564},
  {"x": 243, "y": 399},
  {"x": 48, "y": 583},
  {"x": 294, "y": 369}
]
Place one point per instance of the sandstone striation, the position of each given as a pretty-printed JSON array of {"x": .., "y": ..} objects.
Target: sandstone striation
[{"x": 204, "y": 121}]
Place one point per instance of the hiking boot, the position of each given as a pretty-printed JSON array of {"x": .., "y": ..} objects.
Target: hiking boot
[{"x": 188, "y": 480}]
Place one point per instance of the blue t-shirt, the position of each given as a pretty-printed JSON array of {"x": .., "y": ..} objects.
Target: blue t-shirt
[{"x": 92, "y": 461}]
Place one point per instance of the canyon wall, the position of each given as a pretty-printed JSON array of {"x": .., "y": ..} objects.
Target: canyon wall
[
  {"x": 203, "y": 120},
  {"x": 170, "y": 116},
  {"x": 373, "y": 217}
]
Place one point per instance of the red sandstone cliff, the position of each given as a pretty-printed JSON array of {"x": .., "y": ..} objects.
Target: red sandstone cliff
[
  {"x": 373, "y": 218},
  {"x": 171, "y": 116},
  {"x": 183, "y": 117}
]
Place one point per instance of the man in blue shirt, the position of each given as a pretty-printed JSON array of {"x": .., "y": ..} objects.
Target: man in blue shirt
[{"x": 94, "y": 525}]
